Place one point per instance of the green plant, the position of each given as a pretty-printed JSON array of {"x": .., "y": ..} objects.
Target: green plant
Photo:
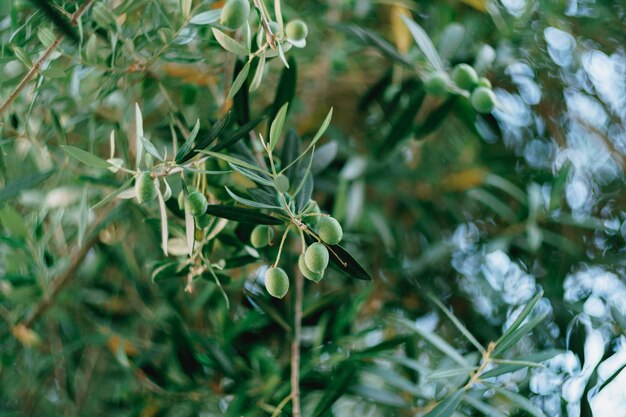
[{"x": 166, "y": 167}]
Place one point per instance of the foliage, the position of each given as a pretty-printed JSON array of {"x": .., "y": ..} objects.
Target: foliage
[{"x": 171, "y": 171}]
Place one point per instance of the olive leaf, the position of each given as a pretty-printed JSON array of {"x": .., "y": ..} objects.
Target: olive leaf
[
  {"x": 194, "y": 145},
  {"x": 344, "y": 260},
  {"x": 242, "y": 215},
  {"x": 229, "y": 43},
  {"x": 12, "y": 189},
  {"x": 86, "y": 158}
]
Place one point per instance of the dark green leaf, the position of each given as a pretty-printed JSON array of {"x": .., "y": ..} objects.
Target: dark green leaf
[
  {"x": 234, "y": 137},
  {"x": 447, "y": 407},
  {"x": 435, "y": 118},
  {"x": 242, "y": 215}
]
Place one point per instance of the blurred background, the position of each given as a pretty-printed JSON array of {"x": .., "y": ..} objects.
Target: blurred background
[{"x": 438, "y": 202}]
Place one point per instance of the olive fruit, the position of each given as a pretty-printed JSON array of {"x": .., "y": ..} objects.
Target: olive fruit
[
  {"x": 306, "y": 271},
  {"x": 436, "y": 84},
  {"x": 281, "y": 182},
  {"x": 261, "y": 236},
  {"x": 483, "y": 100},
  {"x": 276, "y": 282},
  {"x": 316, "y": 257},
  {"x": 484, "y": 82},
  {"x": 296, "y": 30},
  {"x": 465, "y": 76},
  {"x": 235, "y": 13},
  {"x": 274, "y": 27},
  {"x": 329, "y": 230},
  {"x": 145, "y": 188},
  {"x": 197, "y": 203}
]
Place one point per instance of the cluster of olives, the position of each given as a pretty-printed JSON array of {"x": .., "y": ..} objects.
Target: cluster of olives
[
  {"x": 464, "y": 77},
  {"x": 236, "y": 12},
  {"x": 312, "y": 262}
]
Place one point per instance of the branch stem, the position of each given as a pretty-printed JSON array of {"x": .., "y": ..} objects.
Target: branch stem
[{"x": 37, "y": 65}]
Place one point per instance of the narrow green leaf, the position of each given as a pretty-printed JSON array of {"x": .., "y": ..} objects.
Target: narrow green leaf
[
  {"x": 248, "y": 202},
  {"x": 242, "y": 215},
  {"x": 424, "y": 43},
  {"x": 437, "y": 342},
  {"x": 251, "y": 175},
  {"x": 447, "y": 407},
  {"x": 513, "y": 338},
  {"x": 114, "y": 194},
  {"x": 229, "y": 43},
  {"x": 449, "y": 373},
  {"x": 276, "y": 127},
  {"x": 138, "y": 135},
  {"x": 470, "y": 337},
  {"x": 188, "y": 145},
  {"x": 317, "y": 137},
  {"x": 486, "y": 409},
  {"x": 258, "y": 74},
  {"x": 281, "y": 55},
  {"x": 237, "y": 135},
  {"x": 206, "y": 18},
  {"x": 151, "y": 149},
  {"x": 519, "y": 401},
  {"x": 86, "y": 158},
  {"x": 344, "y": 260},
  {"x": 235, "y": 161},
  {"x": 521, "y": 317},
  {"x": 239, "y": 80}
]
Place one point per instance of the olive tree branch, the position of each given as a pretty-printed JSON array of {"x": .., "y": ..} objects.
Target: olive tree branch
[{"x": 37, "y": 65}]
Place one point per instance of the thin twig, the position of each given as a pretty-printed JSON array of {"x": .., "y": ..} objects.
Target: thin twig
[
  {"x": 295, "y": 347},
  {"x": 37, "y": 65}
]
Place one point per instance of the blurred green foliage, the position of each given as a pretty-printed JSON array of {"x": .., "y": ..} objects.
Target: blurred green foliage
[{"x": 495, "y": 240}]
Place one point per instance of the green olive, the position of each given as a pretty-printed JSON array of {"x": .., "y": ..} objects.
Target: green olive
[
  {"x": 329, "y": 230},
  {"x": 306, "y": 271},
  {"x": 483, "y": 100},
  {"x": 274, "y": 27},
  {"x": 316, "y": 257},
  {"x": 235, "y": 13},
  {"x": 484, "y": 82},
  {"x": 276, "y": 282},
  {"x": 261, "y": 236},
  {"x": 145, "y": 188},
  {"x": 436, "y": 84},
  {"x": 197, "y": 203},
  {"x": 296, "y": 30},
  {"x": 465, "y": 76},
  {"x": 281, "y": 182}
]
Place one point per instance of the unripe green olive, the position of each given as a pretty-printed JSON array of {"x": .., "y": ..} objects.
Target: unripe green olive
[
  {"x": 484, "y": 82},
  {"x": 145, "y": 188},
  {"x": 261, "y": 236},
  {"x": 316, "y": 257},
  {"x": 483, "y": 100},
  {"x": 306, "y": 271},
  {"x": 296, "y": 30},
  {"x": 281, "y": 182},
  {"x": 197, "y": 203},
  {"x": 436, "y": 84},
  {"x": 274, "y": 27},
  {"x": 235, "y": 13},
  {"x": 329, "y": 230},
  {"x": 203, "y": 221},
  {"x": 465, "y": 76},
  {"x": 276, "y": 282}
]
